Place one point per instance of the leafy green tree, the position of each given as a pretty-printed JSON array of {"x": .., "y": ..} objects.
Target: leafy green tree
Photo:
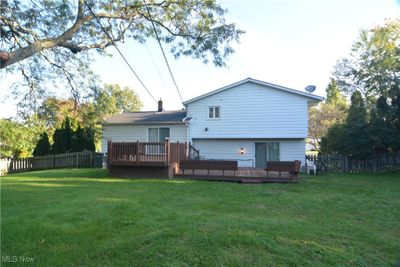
[
  {"x": 18, "y": 139},
  {"x": 395, "y": 122},
  {"x": 63, "y": 138},
  {"x": 334, "y": 96},
  {"x": 335, "y": 140},
  {"x": 54, "y": 40},
  {"x": 381, "y": 130},
  {"x": 78, "y": 140},
  {"x": 53, "y": 111},
  {"x": 353, "y": 137},
  {"x": 358, "y": 142},
  {"x": 332, "y": 111},
  {"x": 43, "y": 146},
  {"x": 373, "y": 66},
  {"x": 67, "y": 134},
  {"x": 89, "y": 139},
  {"x": 104, "y": 102},
  {"x": 112, "y": 100},
  {"x": 58, "y": 144}
]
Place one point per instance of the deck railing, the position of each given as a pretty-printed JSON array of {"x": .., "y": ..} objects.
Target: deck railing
[{"x": 146, "y": 153}]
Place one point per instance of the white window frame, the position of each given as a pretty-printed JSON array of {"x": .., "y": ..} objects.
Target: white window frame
[
  {"x": 213, "y": 112},
  {"x": 158, "y": 133},
  {"x": 159, "y": 151}
]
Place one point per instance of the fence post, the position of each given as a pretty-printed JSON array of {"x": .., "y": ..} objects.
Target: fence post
[{"x": 346, "y": 164}]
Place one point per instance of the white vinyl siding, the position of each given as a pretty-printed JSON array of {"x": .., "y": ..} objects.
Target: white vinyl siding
[
  {"x": 293, "y": 150},
  {"x": 133, "y": 133},
  {"x": 289, "y": 150},
  {"x": 250, "y": 111}
]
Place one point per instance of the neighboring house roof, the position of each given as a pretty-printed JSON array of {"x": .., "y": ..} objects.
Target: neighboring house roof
[
  {"x": 251, "y": 80},
  {"x": 147, "y": 117}
]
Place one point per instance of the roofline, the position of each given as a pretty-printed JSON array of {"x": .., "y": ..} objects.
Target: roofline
[
  {"x": 275, "y": 86},
  {"x": 142, "y": 123}
]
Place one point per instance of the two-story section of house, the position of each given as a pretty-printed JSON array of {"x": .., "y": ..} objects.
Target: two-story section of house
[{"x": 250, "y": 121}]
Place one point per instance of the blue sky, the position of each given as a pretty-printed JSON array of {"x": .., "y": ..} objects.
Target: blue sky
[{"x": 291, "y": 43}]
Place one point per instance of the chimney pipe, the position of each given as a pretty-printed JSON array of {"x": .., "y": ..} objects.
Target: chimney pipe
[{"x": 160, "y": 105}]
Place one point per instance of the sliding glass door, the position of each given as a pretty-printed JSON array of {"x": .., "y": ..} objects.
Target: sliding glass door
[{"x": 266, "y": 151}]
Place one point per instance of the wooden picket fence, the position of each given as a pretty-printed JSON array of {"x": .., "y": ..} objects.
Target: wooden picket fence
[
  {"x": 85, "y": 159},
  {"x": 338, "y": 164}
]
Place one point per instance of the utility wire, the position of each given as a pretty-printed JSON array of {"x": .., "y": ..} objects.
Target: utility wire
[
  {"x": 162, "y": 50},
  {"x": 155, "y": 65},
  {"x": 112, "y": 41}
]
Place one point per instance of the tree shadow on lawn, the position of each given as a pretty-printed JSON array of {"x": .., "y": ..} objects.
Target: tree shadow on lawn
[{"x": 64, "y": 173}]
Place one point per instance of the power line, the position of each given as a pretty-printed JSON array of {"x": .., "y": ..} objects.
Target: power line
[
  {"x": 162, "y": 50},
  {"x": 155, "y": 65},
  {"x": 112, "y": 41}
]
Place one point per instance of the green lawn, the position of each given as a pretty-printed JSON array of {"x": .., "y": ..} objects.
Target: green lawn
[{"x": 81, "y": 217}]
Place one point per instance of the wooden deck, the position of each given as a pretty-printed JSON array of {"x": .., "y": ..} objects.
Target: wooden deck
[{"x": 243, "y": 175}]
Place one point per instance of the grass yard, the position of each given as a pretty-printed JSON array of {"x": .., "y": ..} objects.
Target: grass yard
[{"x": 83, "y": 218}]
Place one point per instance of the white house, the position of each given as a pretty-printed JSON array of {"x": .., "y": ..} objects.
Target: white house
[{"x": 250, "y": 121}]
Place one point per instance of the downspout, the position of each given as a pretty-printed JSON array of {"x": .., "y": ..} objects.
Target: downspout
[{"x": 186, "y": 120}]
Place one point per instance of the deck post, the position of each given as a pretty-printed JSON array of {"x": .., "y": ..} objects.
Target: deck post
[
  {"x": 137, "y": 152},
  {"x": 168, "y": 144},
  {"x": 177, "y": 151},
  {"x": 109, "y": 152}
]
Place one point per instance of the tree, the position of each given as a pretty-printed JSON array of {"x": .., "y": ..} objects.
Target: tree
[
  {"x": 112, "y": 100},
  {"x": 325, "y": 115},
  {"x": 18, "y": 139},
  {"x": 381, "y": 129},
  {"x": 63, "y": 138},
  {"x": 373, "y": 66},
  {"x": 353, "y": 137},
  {"x": 358, "y": 134},
  {"x": 58, "y": 144},
  {"x": 43, "y": 146},
  {"x": 78, "y": 140},
  {"x": 53, "y": 111},
  {"x": 103, "y": 102},
  {"x": 53, "y": 40},
  {"x": 335, "y": 140},
  {"x": 395, "y": 122},
  {"x": 89, "y": 140},
  {"x": 334, "y": 96},
  {"x": 67, "y": 134}
]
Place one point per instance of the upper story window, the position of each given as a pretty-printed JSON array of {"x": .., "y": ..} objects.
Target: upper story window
[{"x": 214, "y": 112}]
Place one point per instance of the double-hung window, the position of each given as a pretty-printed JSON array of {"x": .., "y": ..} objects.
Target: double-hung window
[{"x": 214, "y": 112}]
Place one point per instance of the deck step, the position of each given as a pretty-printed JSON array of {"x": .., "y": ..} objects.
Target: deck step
[{"x": 248, "y": 181}]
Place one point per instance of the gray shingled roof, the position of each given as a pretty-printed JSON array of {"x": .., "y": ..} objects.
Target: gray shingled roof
[{"x": 147, "y": 117}]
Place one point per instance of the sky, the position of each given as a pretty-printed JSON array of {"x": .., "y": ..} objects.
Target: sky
[{"x": 292, "y": 43}]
